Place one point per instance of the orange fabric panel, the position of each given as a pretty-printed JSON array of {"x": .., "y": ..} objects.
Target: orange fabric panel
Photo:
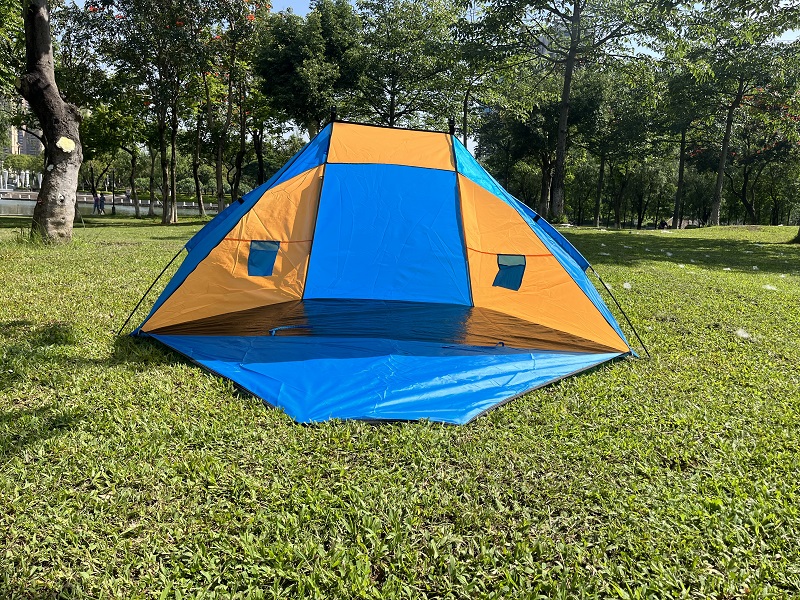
[
  {"x": 286, "y": 212},
  {"x": 221, "y": 284},
  {"x": 491, "y": 225},
  {"x": 548, "y": 295},
  {"x": 378, "y": 145}
]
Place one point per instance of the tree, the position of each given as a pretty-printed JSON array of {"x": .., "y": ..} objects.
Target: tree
[
  {"x": 407, "y": 54},
  {"x": 159, "y": 44},
  {"x": 309, "y": 64},
  {"x": 571, "y": 33},
  {"x": 11, "y": 46},
  {"x": 732, "y": 43},
  {"x": 688, "y": 104},
  {"x": 60, "y": 122}
]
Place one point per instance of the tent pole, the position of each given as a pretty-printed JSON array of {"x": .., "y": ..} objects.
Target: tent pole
[
  {"x": 138, "y": 304},
  {"x": 608, "y": 289}
]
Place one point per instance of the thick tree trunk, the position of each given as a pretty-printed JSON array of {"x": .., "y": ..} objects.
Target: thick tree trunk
[
  {"x": 313, "y": 129},
  {"x": 748, "y": 206},
  {"x": 599, "y": 198},
  {"x": 55, "y": 206},
  {"x": 679, "y": 192},
  {"x": 641, "y": 209},
  {"x": 557, "y": 200},
  {"x": 717, "y": 202}
]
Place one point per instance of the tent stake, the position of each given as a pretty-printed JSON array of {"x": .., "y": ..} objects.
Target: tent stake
[
  {"x": 138, "y": 304},
  {"x": 608, "y": 289}
]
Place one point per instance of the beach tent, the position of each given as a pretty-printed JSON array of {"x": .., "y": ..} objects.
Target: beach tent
[{"x": 383, "y": 274}]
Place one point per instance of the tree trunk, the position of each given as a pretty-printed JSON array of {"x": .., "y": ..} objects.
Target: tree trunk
[
  {"x": 679, "y": 192},
  {"x": 55, "y": 206},
  {"x": 618, "y": 200},
  {"x": 198, "y": 188},
  {"x": 313, "y": 129},
  {"x": 218, "y": 176},
  {"x": 151, "y": 210},
  {"x": 258, "y": 147},
  {"x": 546, "y": 167},
  {"x": 751, "y": 213},
  {"x": 557, "y": 201},
  {"x": 465, "y": 115},
  {"x": 641, "y": 207},
  {"x": 173, "y": 162},
  {"x": 715, "y": 205},
  {"x": 239, "y": 158},
  {"x": 134, "y": 154},
  {"x": 220, "y": 136},
  {"x": 92, "y": 181},
  {"x": 599, "y": 197},
  {"x": 162, "y": 142},
  {"x": 392, "y": 105}
]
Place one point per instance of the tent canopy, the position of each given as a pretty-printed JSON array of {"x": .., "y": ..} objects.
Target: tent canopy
[{"x": 383, "y": 274}]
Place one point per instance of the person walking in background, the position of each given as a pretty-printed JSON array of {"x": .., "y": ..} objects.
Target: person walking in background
[
  {"x": 102, "y": 203},
  {"x": 96, "y": 207}
]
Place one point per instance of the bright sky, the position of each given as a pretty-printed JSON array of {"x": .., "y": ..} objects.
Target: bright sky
[{"x": 300, "y": 7}]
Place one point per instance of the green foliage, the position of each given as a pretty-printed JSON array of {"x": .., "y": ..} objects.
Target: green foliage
[
  {"x": 23, "y": 162},
  {"x": 405, "y": 59},
  {"x": 306, "y": 64},
  {"x": 129, "y": 472},
  {"x": 12, "y": 46}
]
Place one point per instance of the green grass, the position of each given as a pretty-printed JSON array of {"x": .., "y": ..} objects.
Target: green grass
[{"x": 127, "y": 472}]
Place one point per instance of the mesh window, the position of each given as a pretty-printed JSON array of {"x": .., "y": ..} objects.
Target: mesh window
[
  {"x": 511, "y": 268},
  {"x": 261, "y": 261}
]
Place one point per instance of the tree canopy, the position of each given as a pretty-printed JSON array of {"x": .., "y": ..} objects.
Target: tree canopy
[{"x": 597, "y": 112}]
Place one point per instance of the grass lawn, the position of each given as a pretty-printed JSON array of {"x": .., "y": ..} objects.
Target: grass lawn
[{"x": 127, "y": 472}]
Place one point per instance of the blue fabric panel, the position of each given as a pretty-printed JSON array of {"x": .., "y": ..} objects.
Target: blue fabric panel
[
  {"x": 557, "y": 237},
  {"x": 388, "y": 232},
  {"x": 314, "y": 154},
  {"x": 204, "y": 241},
  {"x": 316, "y": 379},
  {"x": 261, "y": 258},
  {"x": 511, "y": 268},
  {"x": 567, "y": 255},
  {"x": 471, "y": 169}
]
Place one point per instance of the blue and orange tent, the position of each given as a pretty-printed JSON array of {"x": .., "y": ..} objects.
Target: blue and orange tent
[{"x": 383, "y": 274}]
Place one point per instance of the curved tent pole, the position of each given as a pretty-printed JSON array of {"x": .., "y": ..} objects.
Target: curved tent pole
[
  {"x": 138, "y": 304},
  {"x": 608, "y": 289}
]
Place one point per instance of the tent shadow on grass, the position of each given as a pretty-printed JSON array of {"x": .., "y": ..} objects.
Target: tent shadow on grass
[
  {"x": 142, "y": 351},
  {"x": 714, "y": 254}
]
